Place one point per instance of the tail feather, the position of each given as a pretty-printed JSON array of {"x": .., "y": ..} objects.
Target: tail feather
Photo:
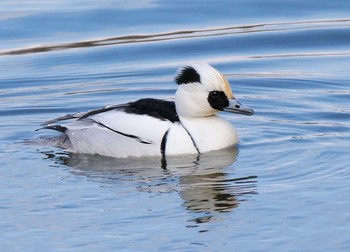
[
  {"x": 54, "y": 127},
  {"x": 61, "y": 118}
]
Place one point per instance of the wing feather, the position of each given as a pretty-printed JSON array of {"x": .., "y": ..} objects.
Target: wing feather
[
  {"x": 130, "y": 129},
  {"x": 82, "y": 115}
]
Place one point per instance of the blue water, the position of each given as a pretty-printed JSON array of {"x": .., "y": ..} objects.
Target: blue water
[{"x": 284, "y": 188}]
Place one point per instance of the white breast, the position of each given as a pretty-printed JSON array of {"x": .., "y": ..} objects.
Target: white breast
[
  {"x": 210, "y": 133},
  {"x": 178, "y": 141}
]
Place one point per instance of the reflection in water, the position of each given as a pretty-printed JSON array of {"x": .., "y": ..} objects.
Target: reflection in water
[{"x": 201, "y": 181}]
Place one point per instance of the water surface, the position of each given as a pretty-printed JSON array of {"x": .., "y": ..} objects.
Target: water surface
[{"x": 284, "y": 187}]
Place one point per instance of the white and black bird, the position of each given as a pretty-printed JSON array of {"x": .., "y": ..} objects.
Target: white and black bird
[{"x": 151, "y": 127}]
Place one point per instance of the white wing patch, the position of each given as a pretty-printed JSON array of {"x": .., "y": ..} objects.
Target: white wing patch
[
  {"x": 119, "y": 134},
  {"x": 144, "y": 127}
]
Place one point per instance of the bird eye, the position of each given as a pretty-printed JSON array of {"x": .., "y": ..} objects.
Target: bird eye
[{"x": 214, "y": 94}]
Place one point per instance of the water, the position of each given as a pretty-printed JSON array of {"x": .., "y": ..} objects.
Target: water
[{"x": 284, "y": 188}]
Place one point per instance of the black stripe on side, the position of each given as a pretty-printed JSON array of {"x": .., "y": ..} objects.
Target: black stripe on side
[
  {"x": 194, "y": 143},
  {"x": 163, "y": 148},
  {"x": 124, "y": 134},
  {"x": 163, "y": 143}
]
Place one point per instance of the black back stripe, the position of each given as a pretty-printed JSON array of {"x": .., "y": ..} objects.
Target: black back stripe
[
  {"x": 100, "y": 110},
  {"x": 160, "y": 109},
  {"x": 124, "y": 134}
]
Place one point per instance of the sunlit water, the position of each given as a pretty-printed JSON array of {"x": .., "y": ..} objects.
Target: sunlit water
[{"x": 284, "y": 188}]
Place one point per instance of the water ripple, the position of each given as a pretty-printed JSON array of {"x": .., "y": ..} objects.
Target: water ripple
[{"x": 186, "y": 34}]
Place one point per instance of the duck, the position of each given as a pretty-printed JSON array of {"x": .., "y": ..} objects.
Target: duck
[{"x": 188, "y": 124}]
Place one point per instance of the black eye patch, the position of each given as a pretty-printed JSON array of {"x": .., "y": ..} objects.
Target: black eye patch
[{"x": 218, "y": 100}]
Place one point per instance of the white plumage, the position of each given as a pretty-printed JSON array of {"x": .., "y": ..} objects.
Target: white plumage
[{"x": 151, "y": 127}]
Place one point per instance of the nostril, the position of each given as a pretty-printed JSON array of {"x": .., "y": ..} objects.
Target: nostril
[{"x": 237, "y": 106}]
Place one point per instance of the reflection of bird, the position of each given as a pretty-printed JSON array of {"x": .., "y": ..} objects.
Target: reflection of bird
[
  {"x": 214, "y": 192},
  {"x": 158, "y": 127},
  {"x": 208, "y": 194},
  {"x": 201, "y": 181}
]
